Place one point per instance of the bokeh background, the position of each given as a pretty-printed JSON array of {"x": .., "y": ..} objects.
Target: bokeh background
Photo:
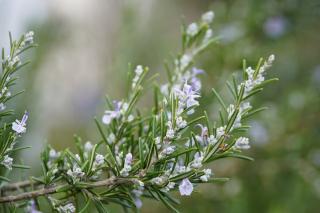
[{"x": 83, "y": 54}]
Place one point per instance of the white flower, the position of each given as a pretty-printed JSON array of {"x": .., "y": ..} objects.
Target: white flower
[
  {"x": 111, "y": 138},
  {"x": 181, "y": 123},
  {"x": 14, "y": 61},
  {"x": 242, "y": 143},
  {"x": 170, "y": 133},
  {"x": 125, "y": 171},
  {"x": 157, "y": 141},
  {"x": 28, "y": 38},
  {"x": 139, "y": 183},
  {"x": 220, "y": 131},
  {"x": 230, "y": 110},
  {"x": 99, "y": 160},
  {"x": 208, "y": 17},
  {"x": 158, "y": 180},
  {"x": 271, "y": 59},
  {"x": 206, "y": 176},
  {"x": 20, "y": 126},
  {"x": 88, "y": 146},
  {"x": 185, "y": 187},
  {"x": 130, "y": 118},
  {"x": 76, "y": 172},
  {"x": 7, "y": 162},
  {"x": 139, "y": 70},
  {"x": 197, "y": 161},
  {"x": 181, "y": 169},
  {"x": 2, "y": 106},
  {"x": 69, "y": 208},
  {"x": 185, "y": 61},
  {"x": 78, "y": 157},
  {"x": 253, "y": 81},
  {"x": 170, "y": 186},
  {"x": 208, "y": 35},
  {"x": 53, "y": 154},
  {"x": 167, "y": 151},
  {"x": 164, "y": 89},
  {"x": 244, "y": 106},
  {"x": 212, "y": 140},
  {"x": 192, "y": 29}
]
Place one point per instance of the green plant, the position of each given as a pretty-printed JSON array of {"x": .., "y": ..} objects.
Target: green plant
[{"x": 140, "y": 154}]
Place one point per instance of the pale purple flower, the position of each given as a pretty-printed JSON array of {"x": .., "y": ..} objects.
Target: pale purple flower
[
  {"x": 185, "y": 187},
  {"x": 203, "y": 138},
  {"x": 128, "y": 159},
  {"x": 99, "y": 160},
  {"x": 32, "y": 208},
  {"x": 187, "y": 96},
  {"x": 20, "y": 126},
  {"x": 194, "y": 80},
  {"x": 127, "y": 165},
  {"x": 112, "y": 114},
  {"x": 138, "y": 202}
]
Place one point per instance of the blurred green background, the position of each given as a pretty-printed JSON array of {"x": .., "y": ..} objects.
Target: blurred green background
[{"x": 84, "y": 50}]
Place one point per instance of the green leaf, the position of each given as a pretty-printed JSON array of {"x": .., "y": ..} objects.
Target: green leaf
[
  {"x": 4, "y": 179},
  {"x": 166, "y": 202},
  {"x": 141, "y": 155},
  {"x": 20, "y": 166},
  {"x": 232, "y": 155},
  {"x": 252, "y": 112},
  {"x": 218, "y": 180},
  {"x": 101, "y": 131},
  {"x": 99, "y": 206},
  {"x": 253, "y": 92},
  {"x": 182, "y": 176},
  {"x": 85, "y": 207},
  {"x": 219, "y": 99},
  {"x": 233, "y": 93},
  {"x": 92, "y": 158}
]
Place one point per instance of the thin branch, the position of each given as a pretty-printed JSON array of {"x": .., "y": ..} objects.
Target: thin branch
[
  {"x": 55, "y": 189},
  {"x": 19, "y": 185}
]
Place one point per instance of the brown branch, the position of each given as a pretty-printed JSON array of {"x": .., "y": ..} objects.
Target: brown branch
[
  {"x": 19, "y": 185},
  {"x": 55, "y": 189}
]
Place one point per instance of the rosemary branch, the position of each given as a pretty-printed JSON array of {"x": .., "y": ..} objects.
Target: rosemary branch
[{"x": 55, "y": 189}]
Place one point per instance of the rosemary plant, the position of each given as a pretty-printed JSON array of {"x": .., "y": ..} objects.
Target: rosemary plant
[{"x": 141, "y": 155}]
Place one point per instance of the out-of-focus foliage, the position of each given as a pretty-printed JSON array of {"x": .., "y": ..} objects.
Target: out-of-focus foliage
[{"x": 285, "y": 176}]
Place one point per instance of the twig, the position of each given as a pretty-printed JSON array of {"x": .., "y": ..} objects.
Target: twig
[{"x": 54, "y": 189}]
